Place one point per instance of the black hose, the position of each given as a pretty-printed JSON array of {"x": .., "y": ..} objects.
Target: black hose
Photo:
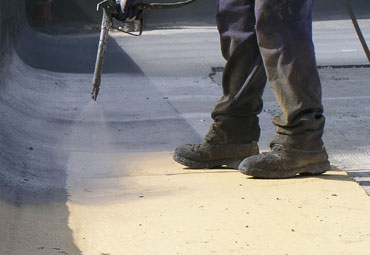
[
  {"x": 358, "y": 29},
  {"x": 158, "y": 6}
]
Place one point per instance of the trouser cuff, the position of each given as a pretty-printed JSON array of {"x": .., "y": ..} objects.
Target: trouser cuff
[
  {"x": 228, "y": 129},
  {"x": 310, "y": 141}
]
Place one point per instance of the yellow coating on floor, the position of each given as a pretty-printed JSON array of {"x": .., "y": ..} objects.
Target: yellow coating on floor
[{"x": 145, "y": 203}]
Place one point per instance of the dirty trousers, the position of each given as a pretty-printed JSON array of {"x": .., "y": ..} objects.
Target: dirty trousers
[{"x": 269, "y": 39}]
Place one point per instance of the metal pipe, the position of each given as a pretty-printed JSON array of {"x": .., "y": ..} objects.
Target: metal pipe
[{"x": 104, "y": 33}]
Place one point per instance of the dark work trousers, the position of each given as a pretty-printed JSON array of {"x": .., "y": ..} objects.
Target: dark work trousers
[{"x": 269, "y": 39}]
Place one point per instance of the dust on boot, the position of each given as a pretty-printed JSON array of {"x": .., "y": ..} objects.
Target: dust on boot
[
  {"x": 223, "y": 146},
  {"x": 284, "y": 162}
]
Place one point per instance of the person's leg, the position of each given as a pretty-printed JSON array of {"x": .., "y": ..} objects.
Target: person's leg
[
  {"x": 284, "y": 32},
  {"x": 244, "y": 77},
  {"x": 235, "y": 131}
]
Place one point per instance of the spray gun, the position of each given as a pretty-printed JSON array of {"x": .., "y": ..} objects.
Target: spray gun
[{"x": 112, "y": 18}]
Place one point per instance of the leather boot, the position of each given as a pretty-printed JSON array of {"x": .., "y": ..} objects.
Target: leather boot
[
  {"x": 282, "y": 162},
  {"x": 214, "y": 155},
  {"x": 219, "y": 149}
]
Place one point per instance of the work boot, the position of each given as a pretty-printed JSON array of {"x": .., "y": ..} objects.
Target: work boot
[
  {"x": 220, "y": 148},
  {"x": 282, "y": 162},
  {"x": 207, "y": 155}
]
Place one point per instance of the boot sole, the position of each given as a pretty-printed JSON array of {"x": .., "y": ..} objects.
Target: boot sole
[
  {"x": 229, "y": 163},
  {"x": 309, "y": 170}
]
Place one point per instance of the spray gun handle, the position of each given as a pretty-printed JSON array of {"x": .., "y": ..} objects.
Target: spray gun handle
[{"x": 110, "y": 6}]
